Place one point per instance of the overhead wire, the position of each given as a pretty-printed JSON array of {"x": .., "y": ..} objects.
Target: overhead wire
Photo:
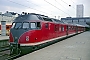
[
  {"x": 67, "y": 3},
  {"x": 56, "y": 7},
  {"x": 35, "y": 4},
  {"x": 61, "y": 4},
  {"x": 73, "y": 2},
  {"x": 28, "y": 7}
]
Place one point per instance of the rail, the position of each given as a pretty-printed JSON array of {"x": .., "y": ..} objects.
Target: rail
[{"x": 4, "y": 43}]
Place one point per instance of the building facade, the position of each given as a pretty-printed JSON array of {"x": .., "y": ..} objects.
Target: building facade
[
  {"x": 80, "y": 20},
  {"x": 8, "y": 17},
  {"x": 80, "y": 10}
]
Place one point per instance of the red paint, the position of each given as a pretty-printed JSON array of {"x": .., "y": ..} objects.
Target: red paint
[
  {"x": 44, "y": 33},
  {"x": 11, "y": 38}
]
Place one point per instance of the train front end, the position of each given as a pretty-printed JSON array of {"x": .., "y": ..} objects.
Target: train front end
[{"x": 21, "y": 33}]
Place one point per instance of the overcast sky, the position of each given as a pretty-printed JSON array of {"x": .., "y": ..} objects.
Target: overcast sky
[{"x": 58, "y": 8}]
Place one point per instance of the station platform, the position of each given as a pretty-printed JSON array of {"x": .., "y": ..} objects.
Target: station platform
[
  {"x": 4, "y": 37},
  {"x": 4, "y": 41},
  {"x": 73, "y": 48}
]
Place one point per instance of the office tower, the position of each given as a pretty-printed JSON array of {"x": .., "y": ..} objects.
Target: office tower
[{"x": 80, "y": 10}]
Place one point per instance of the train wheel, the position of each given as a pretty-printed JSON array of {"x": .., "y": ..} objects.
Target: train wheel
[
  {"x": 11, "y": 51},
  {"x": 19, "y": 51},
  {"x": 35, "y": 47}
]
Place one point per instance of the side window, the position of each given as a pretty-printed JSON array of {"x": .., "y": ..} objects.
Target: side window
[
  {"x": 38, "y": 25},
  {"x": 56, "y": 28},
  {"x": 25, "y": 25},
  {"x": 46, "y": 25},
  {"x": 62, "y": 28},
  {"x": 69, "y": 28},
  {"x": 72, "y": 27}
]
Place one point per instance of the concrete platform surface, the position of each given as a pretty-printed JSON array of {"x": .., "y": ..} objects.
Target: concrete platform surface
[
  {"x": 4, "y": 37},
  {"x": 74, "y": 48}
]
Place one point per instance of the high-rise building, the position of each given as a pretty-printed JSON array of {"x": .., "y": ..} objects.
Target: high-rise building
[{"x": 80, "y": 10}]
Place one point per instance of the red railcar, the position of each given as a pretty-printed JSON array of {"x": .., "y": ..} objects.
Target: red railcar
[
  {"x": 8, "y": 26},
  {"x": 31, "y": 31}
]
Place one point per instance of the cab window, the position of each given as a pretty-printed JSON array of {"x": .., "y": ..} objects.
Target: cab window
[
  {"x": 33, "y": 25},
  {"x": 25, "y": 25},
  {"x": 13, "y": 24},
  {"x": 18, "y": 25}
]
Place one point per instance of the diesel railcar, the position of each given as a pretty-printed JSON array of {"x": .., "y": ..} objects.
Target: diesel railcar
[{"x": 31, "y": 31}]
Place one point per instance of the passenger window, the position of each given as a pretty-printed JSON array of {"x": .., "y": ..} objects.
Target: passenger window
[
  {"x": 25, "y": 25},
  {"x": 69, "y": 27},
  {"x": 38, "y": 25},
  {"x": 46, "y": 25},
  {"x": 56, "y": 28},
  {"x": 62, "y": 28}
]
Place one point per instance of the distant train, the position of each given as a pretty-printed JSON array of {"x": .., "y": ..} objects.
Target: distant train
[
  {"x": 8, "y": 26},
  {"x": 31, "y": 31}
]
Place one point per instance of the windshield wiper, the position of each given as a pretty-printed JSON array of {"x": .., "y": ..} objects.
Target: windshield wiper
[{"x": 18, "y": 27}]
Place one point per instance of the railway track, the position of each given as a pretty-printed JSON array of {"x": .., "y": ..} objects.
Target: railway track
[
  {"x": 4, "y": 49},
  {"x": 4, "y": 53}
]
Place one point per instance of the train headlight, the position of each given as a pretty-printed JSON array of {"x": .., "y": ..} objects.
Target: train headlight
[
  {"x": 27, "y": 38},
  {"x": 15, "y": 37}
]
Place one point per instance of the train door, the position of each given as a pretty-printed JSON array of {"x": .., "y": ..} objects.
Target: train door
[{"x": 66, "y": 29}]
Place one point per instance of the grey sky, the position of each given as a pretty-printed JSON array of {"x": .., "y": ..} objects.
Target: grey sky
[{"x": 42, "y": 7}]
